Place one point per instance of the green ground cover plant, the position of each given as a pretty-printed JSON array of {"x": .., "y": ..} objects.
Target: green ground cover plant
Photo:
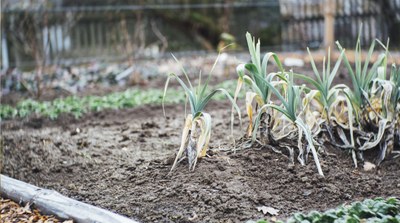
[
  {"x": 78, "y": 106},
  {"x": 368, "y": 211}
]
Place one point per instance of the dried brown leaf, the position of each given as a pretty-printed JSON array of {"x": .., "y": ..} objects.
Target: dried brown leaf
[{"x": 268, "y": 210}]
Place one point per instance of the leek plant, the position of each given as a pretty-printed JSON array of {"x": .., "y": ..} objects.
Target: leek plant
[
  {"x": 254, "y": 78},
  {"x": 385, "y": 99},
  {"x": 325, "y": 94},
  {"x": 395, "y": 78},
  {"x": 196, "y": 132},
  {"x": 292, "y": 116},
  {"x": 292, "y": 110},
  {"x": 373, "y": 101},
  {"x": 280, "y": 122},
  {"x": 362, "y": 75},
  {"x": 329, "y": 98}
]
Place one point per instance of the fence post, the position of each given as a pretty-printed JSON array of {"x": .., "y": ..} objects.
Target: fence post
[
  {"x": 329, "y": 18},
  {"x": 4, "y": 50}
]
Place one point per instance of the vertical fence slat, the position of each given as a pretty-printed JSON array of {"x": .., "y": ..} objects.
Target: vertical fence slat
[
  {"x": 107, "y": 39},
  {"x": 99, "y": 33},
  {"x": 76, "y": 42},
  {"x": 300, "y": 21},
  {"x": 63, "y": 36},
  {"x": 86, "y": 39},
  {"x": 92, "y": 37},
  {"x": 5, "y": 62}
]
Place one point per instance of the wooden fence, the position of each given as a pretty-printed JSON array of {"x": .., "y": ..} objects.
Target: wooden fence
[
  {"x": 303, "y": 22},
  {"x": 66, "y": 35}
]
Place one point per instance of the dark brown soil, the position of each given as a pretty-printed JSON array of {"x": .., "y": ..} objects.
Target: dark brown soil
[{"x": 120, "y": 160}]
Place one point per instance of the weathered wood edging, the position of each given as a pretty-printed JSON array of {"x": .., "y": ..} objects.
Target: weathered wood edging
[{"x": 53, "y": 203}]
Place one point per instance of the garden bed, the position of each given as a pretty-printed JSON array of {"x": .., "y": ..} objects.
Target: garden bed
[{"x": 120, "y": 160}]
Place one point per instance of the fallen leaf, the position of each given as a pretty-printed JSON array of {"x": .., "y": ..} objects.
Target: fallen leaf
[
  {"x": 12, "y": 212},
  {"x": 369, "y": 166},
  {"x": 273, "y": 219},
  {"x": 268, "y": 210}
]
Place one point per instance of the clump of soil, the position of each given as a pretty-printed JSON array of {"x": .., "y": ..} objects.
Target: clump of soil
[{"x": 120, "y": 160}]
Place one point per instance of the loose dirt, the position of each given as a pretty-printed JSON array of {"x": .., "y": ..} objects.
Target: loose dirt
[{"x": 120, "y": 160}]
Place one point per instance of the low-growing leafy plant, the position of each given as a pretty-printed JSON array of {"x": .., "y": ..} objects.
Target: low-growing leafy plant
[
  {"x": 196, "y": 132},
  {"x": 77, "y": 106},
  {"x": 370, "y": 210}
]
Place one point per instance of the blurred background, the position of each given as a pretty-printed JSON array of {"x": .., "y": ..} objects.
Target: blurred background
[{"x": 61, "y": 34}]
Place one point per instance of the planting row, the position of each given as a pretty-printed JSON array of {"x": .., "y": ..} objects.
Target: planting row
[
  {"x": 305, "y": 118},
  {"x": 78, "y": 106}
]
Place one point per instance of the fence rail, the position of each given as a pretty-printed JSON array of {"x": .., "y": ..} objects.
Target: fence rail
[{"x": 266, "y": 3}]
